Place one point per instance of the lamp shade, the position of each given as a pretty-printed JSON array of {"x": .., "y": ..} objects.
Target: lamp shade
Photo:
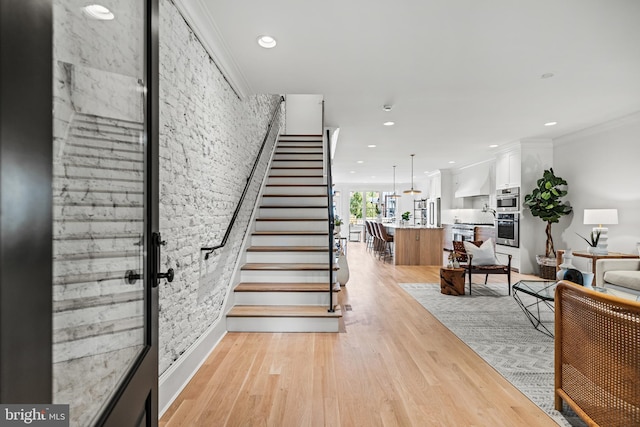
[{"x": 600, "y": 216}]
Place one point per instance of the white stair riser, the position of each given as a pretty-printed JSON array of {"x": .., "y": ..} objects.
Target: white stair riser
[
  {"x": 287, "y": 257},
  {"x": 282, "y": 324},
  {"x": 283, "y": 298},
  {"x": 279, "y": 276},
  {"x": 301, "y": 138},
  {"x": 295, "y": 200},
  {"x": 319, "y": 212},
  {"x": 297, "y": 156},
  {"x": 295, "y": 171},
  {"x": 295, "y": 190},
  {"x": 292, "y": 226},
  {"x": 89, "y": 172},
  {"x": 283, "y": 240},
  {"x": 296, "y": 164},
  {"x": 293, "y": 149},
  {"x": 314, "y": 180},
  {"x": 84, "y": 196},
  {"x": 94, "y": 246}
]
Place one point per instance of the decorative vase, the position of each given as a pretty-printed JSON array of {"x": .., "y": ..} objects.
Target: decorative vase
[
  {"x": 343, "y": 272},
  {"x": 587, "y": 279},
  {"x": 336, "y": 229}
]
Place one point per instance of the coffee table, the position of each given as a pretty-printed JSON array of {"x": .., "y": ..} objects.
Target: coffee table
[{"x": 544, "y": 292}]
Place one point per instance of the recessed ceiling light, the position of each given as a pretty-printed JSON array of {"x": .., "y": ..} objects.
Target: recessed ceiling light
[
  {"x": 493, "y": 145},
  {"x": 426, "y": 171},
  {"x": 267, "y": 42},
  {"x": 352, "y": 171},
  {"x": 551, "y": 123},
  {"x": 360, "y": 161},
  {"x": 387, "y": 107},
  {"x": 389, "y": 123},
  {"x": 372, "y": 145},
  {"x": 451, "y": 162},
  {"x": 99, "y": 12},
  {"x": 546, "y": 76}
]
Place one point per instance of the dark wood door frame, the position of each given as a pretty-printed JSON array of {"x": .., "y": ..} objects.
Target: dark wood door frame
[{"x": 26, "y": 164}]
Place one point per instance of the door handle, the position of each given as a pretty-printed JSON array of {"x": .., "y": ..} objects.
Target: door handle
[
  {"x": 157, "y": 244},
  {"x": 168, "y": 275}
]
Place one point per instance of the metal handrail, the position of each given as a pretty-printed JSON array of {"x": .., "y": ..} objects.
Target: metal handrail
[
  {"x": 331, "y": 220},
  {"x": 210, "y": 249}
]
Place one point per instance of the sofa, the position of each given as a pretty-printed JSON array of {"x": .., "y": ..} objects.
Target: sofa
[{"x": 620, "y": 274}]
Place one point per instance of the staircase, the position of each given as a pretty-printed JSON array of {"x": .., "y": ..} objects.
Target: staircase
[
  {"x": 285, "y": 281},
  {"x": 98, "y": 195}
]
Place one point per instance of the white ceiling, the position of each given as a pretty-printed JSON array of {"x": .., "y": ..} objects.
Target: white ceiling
[{"x": 460, "y": 74}]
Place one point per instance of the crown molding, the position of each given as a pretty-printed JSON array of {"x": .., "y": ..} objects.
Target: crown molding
[
  {"x": 599, "y": 128},
  {"x": 203, "y": 25}
]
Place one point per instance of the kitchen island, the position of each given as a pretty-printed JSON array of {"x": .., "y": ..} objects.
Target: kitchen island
[{"x": 417, "y": 245}]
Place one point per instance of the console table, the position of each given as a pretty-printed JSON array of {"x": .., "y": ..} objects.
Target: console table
[{"x": 593, "y": 257}]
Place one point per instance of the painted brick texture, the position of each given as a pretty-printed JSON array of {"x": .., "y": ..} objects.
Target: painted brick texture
[{"x": 209, "y": 139}]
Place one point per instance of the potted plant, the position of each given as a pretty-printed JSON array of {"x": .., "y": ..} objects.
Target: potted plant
[
  {"x": 592, "y": 241},
  {"x": 337, "y": 222},
  {"x": 545, "y": 202},
  {"x": 405, "y": 217}
]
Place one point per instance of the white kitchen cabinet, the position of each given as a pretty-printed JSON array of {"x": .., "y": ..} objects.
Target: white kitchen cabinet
[
  {"x": 435, "y": 186},
  {"x": 508, "y": 169}
]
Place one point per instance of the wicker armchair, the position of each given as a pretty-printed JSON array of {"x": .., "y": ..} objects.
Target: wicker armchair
[
  {"x": 597, "y": 356},
  {"x": 466, "y": 262}
]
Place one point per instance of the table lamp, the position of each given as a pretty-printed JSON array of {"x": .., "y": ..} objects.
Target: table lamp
[{"x": 600, "y": 217}]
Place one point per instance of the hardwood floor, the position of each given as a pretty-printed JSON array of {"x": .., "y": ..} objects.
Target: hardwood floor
[{"x": 393, "y": 365}]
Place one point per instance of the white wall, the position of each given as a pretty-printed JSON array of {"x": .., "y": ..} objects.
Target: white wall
[
  {"x": 304, "y": 114},
  {"x": 209, "y": 139},
  {"x": 602, "y": 167}
]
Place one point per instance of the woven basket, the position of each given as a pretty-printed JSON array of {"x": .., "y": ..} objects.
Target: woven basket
[
  {"x": 547, "y": 267},
  {"x": 548, "y": 272}
]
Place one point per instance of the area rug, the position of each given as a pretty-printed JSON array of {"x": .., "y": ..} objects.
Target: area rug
[{"x": 493, "y": 325}]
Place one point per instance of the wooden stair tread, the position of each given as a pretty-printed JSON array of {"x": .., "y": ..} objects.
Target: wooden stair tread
[
  {"x": 297, "y": 152},
  {"x": 298, "y": 160},
  {"x": 288, "y": 249},
  {"x": 281, "y": 287},
  {"x": 287, "y": 266},
  {"x": 283, "y": 311},
  {"x": 294, "y": 195},
  {"x": 290, "y": 233},
  {"x": 296, "y": 167},
  {"x": 296, "y": 185},
  {"x": 291, "y": 219},
  {"x": 294, "y": 206},
  {"x": 295, "y": 176}
]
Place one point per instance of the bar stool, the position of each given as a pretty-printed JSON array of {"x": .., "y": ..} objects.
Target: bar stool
[{"x": 386, "y": 242}]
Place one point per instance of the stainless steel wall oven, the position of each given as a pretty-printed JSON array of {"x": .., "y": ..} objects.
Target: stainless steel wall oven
[
  {"x": 508, "y": 229},
  {"x": 508, "y": 199}
]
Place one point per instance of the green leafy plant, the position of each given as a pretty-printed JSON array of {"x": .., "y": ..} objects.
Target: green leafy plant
[
  {"x": 545, "y": 202},
  {"x": 406, "y": 215},
  {"x": 593, "y": 240},
  {"x": 337, "y": 220}
]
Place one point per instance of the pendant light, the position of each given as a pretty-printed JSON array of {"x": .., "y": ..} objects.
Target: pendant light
[
  {"x": 394, "y": 195},
  {"x": 412, "y": 191}
]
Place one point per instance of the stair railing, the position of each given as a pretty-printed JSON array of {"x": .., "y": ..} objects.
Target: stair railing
[
  {"x": 331, "y": 220},
  {"x": 236, "y": 212}
]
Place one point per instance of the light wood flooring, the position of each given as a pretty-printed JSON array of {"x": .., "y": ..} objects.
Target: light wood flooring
[{"x": 393, "y": 365}]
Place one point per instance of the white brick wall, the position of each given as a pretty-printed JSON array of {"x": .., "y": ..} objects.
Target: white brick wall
[{"x": 208, "y": 140}]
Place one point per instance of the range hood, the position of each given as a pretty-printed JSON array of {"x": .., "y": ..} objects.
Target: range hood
[{"x": 474, "y": 181}]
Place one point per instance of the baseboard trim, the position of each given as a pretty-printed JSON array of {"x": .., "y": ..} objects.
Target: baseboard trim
[{"x": 178, "y": 375}]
